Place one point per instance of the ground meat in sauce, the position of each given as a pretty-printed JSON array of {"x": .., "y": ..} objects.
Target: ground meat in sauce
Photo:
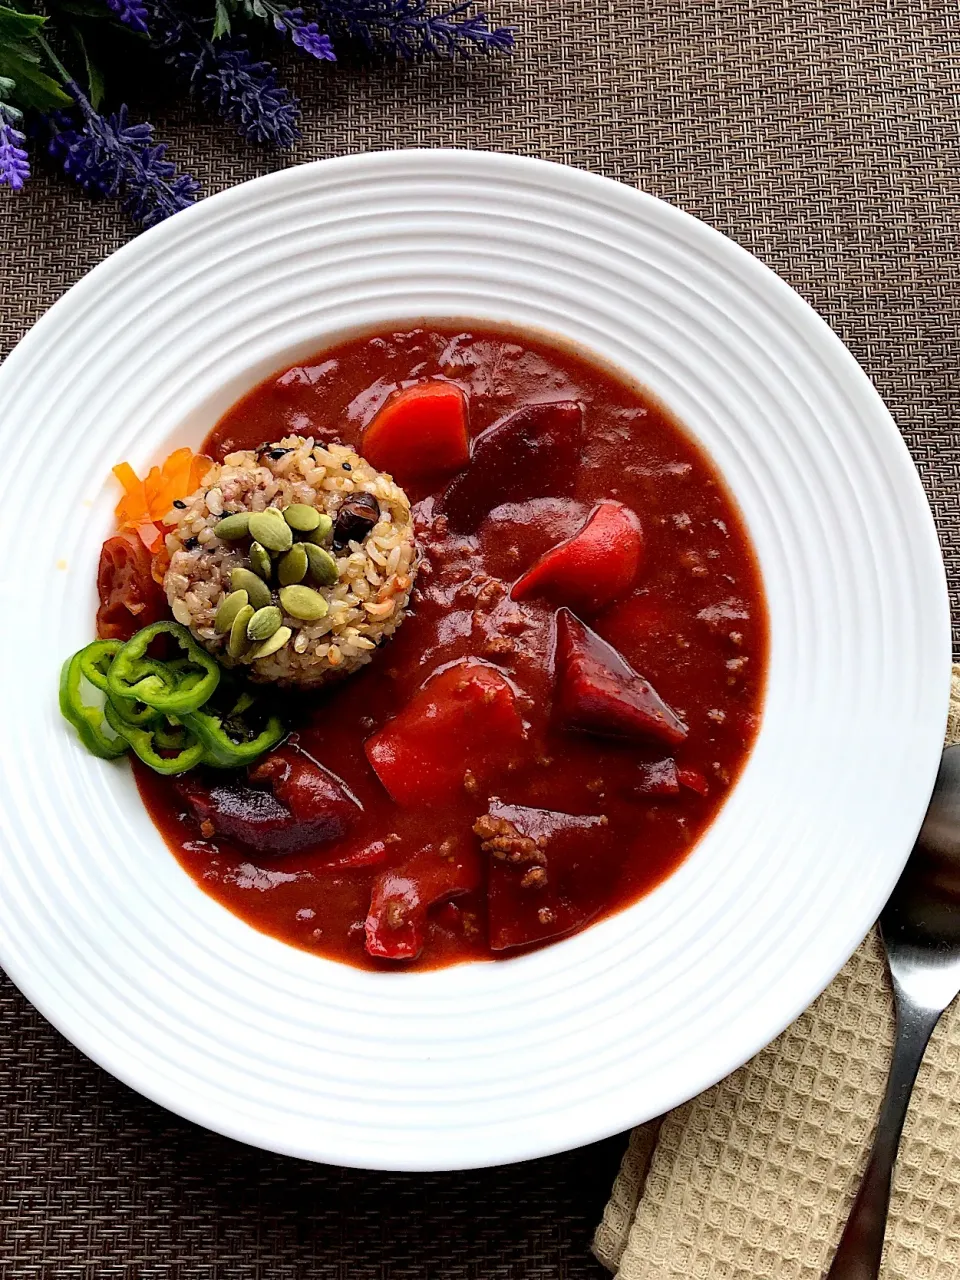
[
  {"x": 694, "y": 625},
  {"x": 501, "y": 838}
]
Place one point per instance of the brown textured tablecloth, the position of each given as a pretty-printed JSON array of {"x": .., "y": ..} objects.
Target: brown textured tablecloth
[{"x": 824, "y": 136}]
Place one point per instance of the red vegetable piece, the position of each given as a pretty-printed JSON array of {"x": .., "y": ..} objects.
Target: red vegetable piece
[
  {"x": 419, "y": 431},
  {"x": 591, "y": 569},
  {"x": 540, "y": 884},
  {"x": 396, "y": 924},
  {"x": 306, "y": 805},
  {"x": 657, "y": 779},
  {"x": 597, "y": 691},
  {"x": 531, "y": 453},
  {"x": 462, "y": 728},
  {"x": 693, "y": 780},
  {"x": 129, "y": 597},
  {"x": 369, "y": 855}
]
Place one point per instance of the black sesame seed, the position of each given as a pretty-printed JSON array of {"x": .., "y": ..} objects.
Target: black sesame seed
[
  {"x": 181, "y": 506},
  {"x": 277, "y": 453},
  {"x": 191, "y": 544},
  {"x": 347, "y": 466}
]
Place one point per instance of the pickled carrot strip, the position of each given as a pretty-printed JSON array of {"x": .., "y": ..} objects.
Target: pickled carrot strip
[{"x": 151, "y": 536}]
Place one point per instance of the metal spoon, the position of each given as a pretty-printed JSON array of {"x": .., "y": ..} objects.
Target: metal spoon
[{"x": 920, "y": 928}]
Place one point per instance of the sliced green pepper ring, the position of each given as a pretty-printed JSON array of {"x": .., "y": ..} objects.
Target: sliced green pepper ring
[
  {"x": 185, "y": 673},
  {"x": 221, "y": 751},
  {"x": 145, "y": 743},
  {"x": 95, "y": 661},
  {"x": 130, "y": 675},
  {"x": 170, "y": 735},
  {"x": 135, "y": 715},
  {"x": 88, "y": 720}
]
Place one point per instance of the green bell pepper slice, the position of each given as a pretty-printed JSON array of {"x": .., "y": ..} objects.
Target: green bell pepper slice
[
  {"x": 221, "y": 750},
  {"x": 131, "y": 674},
  {"x": 86, "y": 719},
  {"x": 146, "y": 741},
  {"x": 95, "y": 662}
]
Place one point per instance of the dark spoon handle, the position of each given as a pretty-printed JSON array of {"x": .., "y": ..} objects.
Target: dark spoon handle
[{"x": 861, "y": 1245}]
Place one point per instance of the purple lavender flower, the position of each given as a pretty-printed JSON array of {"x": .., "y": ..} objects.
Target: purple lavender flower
[
  {"x": 413, "y": 31},
  {"x": 305, "y": 35},
  {"x": 108, "y": 156},
  {"x": 224, "y": 75},
  {"x": 131, "y": 12},
  {"x": 244, "y": 91},
  {"x": 14, "y": 161}
]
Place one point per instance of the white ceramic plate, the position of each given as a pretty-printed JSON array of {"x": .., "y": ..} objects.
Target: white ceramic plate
[{"x": 488, "y": 1062}]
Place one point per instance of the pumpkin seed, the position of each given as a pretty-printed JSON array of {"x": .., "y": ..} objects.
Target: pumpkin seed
[
  {"x": 228, "y": 610},
  {"x": 233, "y": 528},
  {"x": 237, "y": 643},
  {"x": 264, "y": 623},
  {"x": 303, "y": 603},
  {"x": 292, "y": 565},
  {"x": 260, "y": 561},
  {"x": 322, "y": 531},
  {"x": 301, "y": 517},
  {"x": 323, "y": 567},
  {"x": 276, "y": 642},
  {"x": 271, "y": 531},
  {"x": 257, "y": 590}
]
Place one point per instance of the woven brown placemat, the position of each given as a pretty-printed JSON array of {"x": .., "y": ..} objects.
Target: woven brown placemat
[{"x": 824, "y": 136}]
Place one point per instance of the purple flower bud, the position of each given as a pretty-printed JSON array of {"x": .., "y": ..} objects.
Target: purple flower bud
[
  {"x": 108, "y": 156},
  {"x": 224, "y": 75},
  {"x": 131, "y": 12},
  {"x": 305, "y": 35},
  {"x": 412, "y": 30},
  {"x": 14, "y": 161}
]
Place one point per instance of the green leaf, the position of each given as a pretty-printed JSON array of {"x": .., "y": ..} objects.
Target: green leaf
[
  {"x": 221, "y": 25},
  {"x": 94, "y": 75},
  {"x": 18, "y": 26},
  {"x": 34, "y": 87}
]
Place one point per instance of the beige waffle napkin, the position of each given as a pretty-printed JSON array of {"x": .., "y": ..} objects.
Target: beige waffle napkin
[{"x": 753, "y": 1179}]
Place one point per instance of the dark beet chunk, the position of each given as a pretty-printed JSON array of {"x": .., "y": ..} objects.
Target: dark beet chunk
[
  {"x": 530, "y": 454},
  {"x": 597, "y": 691},
  {"x": 305, "y": 804},
  {"x": 659, "y": 778},
  {"x": 542, "y": 879},
  {"x": 356, "y": 517}
]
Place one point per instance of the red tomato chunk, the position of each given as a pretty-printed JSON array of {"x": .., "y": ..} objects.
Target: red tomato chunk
[
  {"x": 458, "y": 733},
  {"x": 594, "y": 567},
  {"x": 420, "y": 431},
  {"x": 396, "y": 924}
]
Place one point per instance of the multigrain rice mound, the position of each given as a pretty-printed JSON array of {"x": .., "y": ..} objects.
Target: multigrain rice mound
[{"x": 366, "y": 604}]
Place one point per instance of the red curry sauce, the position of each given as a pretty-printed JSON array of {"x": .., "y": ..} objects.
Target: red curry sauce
[{"x": 693, "y": 624}]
